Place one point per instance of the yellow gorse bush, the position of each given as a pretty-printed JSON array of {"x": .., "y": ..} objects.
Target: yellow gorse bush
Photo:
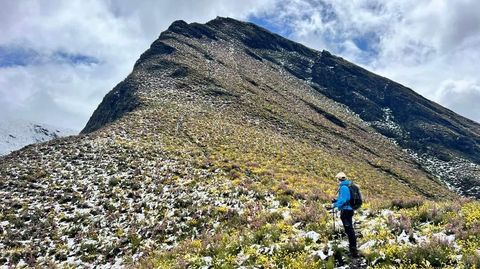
[{"x": 471, "y": 211}]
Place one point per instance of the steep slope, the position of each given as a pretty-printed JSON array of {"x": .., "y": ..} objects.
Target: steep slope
[
  {"x": 215, "y": 129},
  {"x": 16, "y": 133},
  {"x": 430, "y": 133}
]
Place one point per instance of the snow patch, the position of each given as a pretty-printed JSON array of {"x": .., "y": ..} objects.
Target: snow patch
[{"x": 15, "y": 134}]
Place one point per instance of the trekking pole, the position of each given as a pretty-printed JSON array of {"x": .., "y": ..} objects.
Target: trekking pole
[{"x": 333, "y": 219}]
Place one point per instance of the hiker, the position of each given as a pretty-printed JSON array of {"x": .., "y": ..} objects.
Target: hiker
[{"x": 343, "y": 203}]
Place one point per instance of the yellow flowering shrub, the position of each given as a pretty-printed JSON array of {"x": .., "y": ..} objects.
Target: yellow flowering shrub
[
  {"x": 196, "y": 244},
  {"x": 471, "y": 211}
]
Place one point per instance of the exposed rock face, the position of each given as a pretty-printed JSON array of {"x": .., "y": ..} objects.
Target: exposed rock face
[
  {"x": 213, "y": 119},
  {"x": 114, "y": 105}
]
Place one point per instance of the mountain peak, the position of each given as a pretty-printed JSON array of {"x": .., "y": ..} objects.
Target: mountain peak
[
  {"x": 178, "y": 24},
  {"x": 220, "y": 19},
  {"x": 192, "y": 30},
  {"x": 223, "y": 21},
  {"x": 194, "y": 53}
]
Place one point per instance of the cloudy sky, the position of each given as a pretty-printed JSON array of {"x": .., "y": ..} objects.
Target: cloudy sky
[{"x": 59, "y": 58}]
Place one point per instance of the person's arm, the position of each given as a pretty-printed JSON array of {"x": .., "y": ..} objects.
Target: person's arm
[{"x": 343, "y": 197}]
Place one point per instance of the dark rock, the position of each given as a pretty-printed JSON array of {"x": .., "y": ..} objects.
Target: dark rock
[{"x": 115, "y": 104}]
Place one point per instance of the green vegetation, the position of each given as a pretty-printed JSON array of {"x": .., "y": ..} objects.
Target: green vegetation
[{"x": 282, "y": 242}]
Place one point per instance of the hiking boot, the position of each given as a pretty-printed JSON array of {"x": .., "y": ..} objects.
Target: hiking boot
[{"x": 355, "y": 254}]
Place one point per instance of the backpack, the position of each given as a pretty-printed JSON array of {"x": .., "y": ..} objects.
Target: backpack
[{"x": 355, "y": 196}]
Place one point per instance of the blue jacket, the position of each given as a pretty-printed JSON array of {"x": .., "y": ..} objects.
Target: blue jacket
[{"x": 343, "y": 196}]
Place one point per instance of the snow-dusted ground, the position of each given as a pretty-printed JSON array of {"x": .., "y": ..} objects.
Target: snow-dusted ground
[
  {"x": 456, "y": 173},
  {"x": 15, "y": 134},
  {"x": 389, "y": 124}
]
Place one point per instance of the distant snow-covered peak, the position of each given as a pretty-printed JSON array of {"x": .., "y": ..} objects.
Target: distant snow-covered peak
[{"x": 17, "y": 133}]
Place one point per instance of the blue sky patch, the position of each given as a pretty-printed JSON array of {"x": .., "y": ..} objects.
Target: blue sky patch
[
  {"x": 75, "y": 58},
  {"x": 367, "y": 43},
  {"x": 17, "y": 56},
  {"x": 12, "y": 56},
  {"x": 268, "y": 24}
]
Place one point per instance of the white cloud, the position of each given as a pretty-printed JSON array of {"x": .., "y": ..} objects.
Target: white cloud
[
  {"x": 423, "y": 44},
  {"x": 428, "y": 45},
  {"x": 114, "y": 32},
  {"x": 43, "y": 92},
  {"x": 461, "y": 96}
]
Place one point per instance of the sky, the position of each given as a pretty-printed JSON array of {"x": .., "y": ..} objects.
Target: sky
[{"x": 59, "y": 58}]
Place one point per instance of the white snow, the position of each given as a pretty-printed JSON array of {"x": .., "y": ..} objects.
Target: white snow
[
  {"x": 314, "y": 236},
  {"x": 320, "y": 254},
  {"x": 16, "y": 133},
  {"x": 388, "y": 122},
  {"x": 367, "y": 245},
  {"x": 403, "y": 238},
  {"x": 450, "y": 239}
]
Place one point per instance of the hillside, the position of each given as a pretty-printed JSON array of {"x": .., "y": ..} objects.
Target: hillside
[
  {"x": 208, "y": 56},
  {"x": 220, "y": 148}
]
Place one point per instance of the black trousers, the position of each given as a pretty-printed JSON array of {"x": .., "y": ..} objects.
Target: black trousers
[{"x": 346, "y": 217}]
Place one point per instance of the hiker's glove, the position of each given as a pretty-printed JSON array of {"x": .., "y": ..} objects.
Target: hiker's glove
[{"x": 334, "y": 201}]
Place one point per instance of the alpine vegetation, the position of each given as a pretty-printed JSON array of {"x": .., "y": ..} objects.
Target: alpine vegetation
[{"x": 220, "y": 150}]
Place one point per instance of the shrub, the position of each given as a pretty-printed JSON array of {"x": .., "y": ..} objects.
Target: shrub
[
  {"x": 317, "y": 194},
  {"x": 436, "y": 252},
  {"x": 284, "y": 199},
  {"x": 113, "y": 182},
  {"x": 293, "y": 246},
  {"x": 427, "y": 213},
  {"x": 403, "y": 223},
  {"x": 298, "y": 261},
  {"x": 309, "y": 213},
  {"x": 266, "y": 234},
  {"x": 471, "y": 211},
  {"x": 135, "y": 241},
  {"x": 410, "y": 203},
  {"x": 471, "y": 260},
  {"x": 338, "y": 254},
  {"x": 456, "y": 225}
]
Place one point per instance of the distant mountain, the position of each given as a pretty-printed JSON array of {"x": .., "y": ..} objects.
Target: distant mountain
[
  {"x": 225, "y": 130},
  {"x": 16, "y": 133}
]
